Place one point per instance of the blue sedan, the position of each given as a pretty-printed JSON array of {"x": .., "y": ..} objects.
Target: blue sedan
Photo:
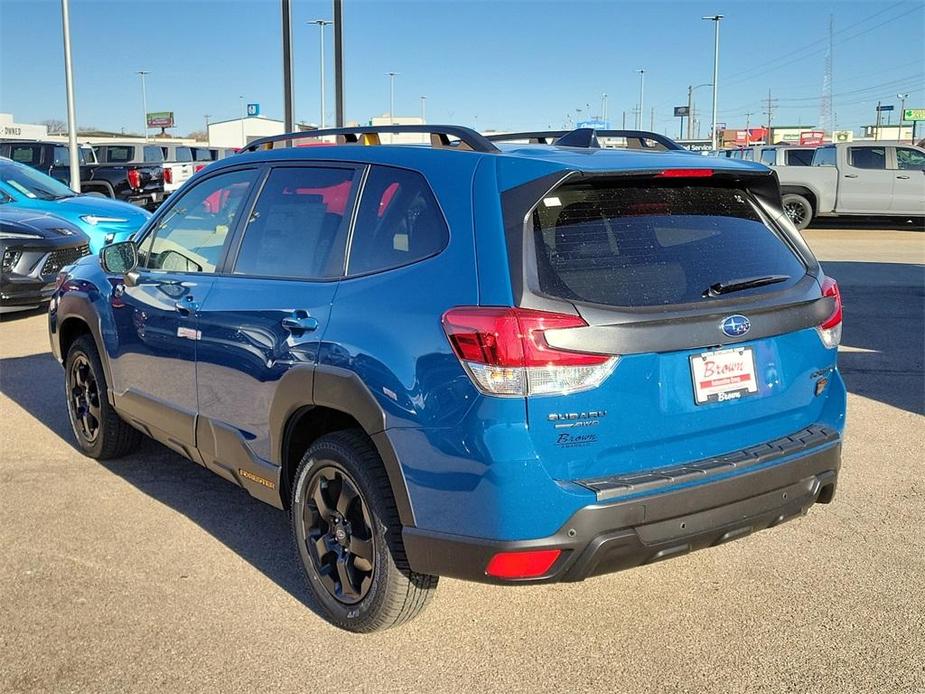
[{"x": 103, "y": 220}]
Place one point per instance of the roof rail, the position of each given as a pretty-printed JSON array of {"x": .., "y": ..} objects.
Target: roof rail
[
  {"x": 587, "y": 137},
  {"x": 440, "y": 136}
]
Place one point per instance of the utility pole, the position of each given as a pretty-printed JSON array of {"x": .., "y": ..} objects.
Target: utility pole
[
  {"x": 423, "y": 109},
  {"x": 322, "y": 23},
  {"x": 74, "y": 161},
  {"x": 716, "y": 19},
  {"x": 339, "y": 62},
  {"x": 207, "y": 117},
  {"x": 243, "y": 137},
  {"x": 690, "y": 107},
  {"x": 604, "y": 106},
  {"x": 748, "y": 121},
  {"x": 879, "y": 117},
  {"x": 902, "y": 113},
  {"x": 642, "y": 91},
  {"x": 652, "y": 121},
  {"x": 288, "y": 107},
  {"x": 391, "y": 76},
  {"x": 770, "y": 113},
  {"x": 144, "y": 100},
  {"x": 624, "y": 120}
]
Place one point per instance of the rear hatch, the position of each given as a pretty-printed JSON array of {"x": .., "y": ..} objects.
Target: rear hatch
[{"x": 668, "y": 318}]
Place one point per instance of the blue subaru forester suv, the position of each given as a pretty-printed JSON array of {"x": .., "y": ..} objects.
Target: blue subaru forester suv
[{"x": 493, "y": 359}]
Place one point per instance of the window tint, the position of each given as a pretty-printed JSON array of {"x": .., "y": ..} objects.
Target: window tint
[
  {"x": 867, "y": 157},
  {"x": 299, "y": 224},
  {"x": 25, "y": 154},
  {"x": 153, "y": 154},
  {"x": 191, "y": 234},
  {"x": 183, "y": 154},
  {"x": 622, "y": 245},
  {"x": 62, "y": 157},
  {"x": 768, "y": 157},
  {"x": 118, "y": 154},
  {"x": 799, "y": 157},
  {"x": 824, "y": 156},
  {"x": 399, "y": 222},
  {"x": 910, "y": 159}
]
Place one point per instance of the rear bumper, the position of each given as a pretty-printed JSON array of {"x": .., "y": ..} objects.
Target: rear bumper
[{"x": 607, "y": 537}]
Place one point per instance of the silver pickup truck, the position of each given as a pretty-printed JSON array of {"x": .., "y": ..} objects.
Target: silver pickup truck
[{"x": 856, "y": 178}]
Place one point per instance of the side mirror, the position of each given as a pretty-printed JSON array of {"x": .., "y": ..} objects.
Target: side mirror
[{"x": 119, "y": 258}]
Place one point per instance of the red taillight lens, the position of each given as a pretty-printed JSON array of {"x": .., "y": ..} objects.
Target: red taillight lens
[
  {"x": 168, "y": 175},
  {"x": 506, "y": 352},
  {"x": 199, "y": 167},
  {"x": 830, "y": 288},
  {"x": 685, "y": 173},
  {"x": 522, "y": 564},
  {"x": 134, "y": 178}
]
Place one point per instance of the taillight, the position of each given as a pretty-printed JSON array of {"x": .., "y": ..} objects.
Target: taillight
[
  {"x": 199, "y": 167},
  {"x": 830, "y": 329},
  {"x": 506, "y": 352},
  {"x": 168, "y": 175},
  {"x": 134, "y": 178},
  {"x": 529, "y": 564}
]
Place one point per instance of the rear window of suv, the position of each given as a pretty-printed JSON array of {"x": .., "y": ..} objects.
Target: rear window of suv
[{"x": 632, "y": 245}]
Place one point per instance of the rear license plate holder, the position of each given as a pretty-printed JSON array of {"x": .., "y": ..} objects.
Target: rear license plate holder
[{"x": 723, "y": 375}]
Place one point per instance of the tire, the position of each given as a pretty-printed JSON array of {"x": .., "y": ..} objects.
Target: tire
[
  {"x": 100, "y": 432},
  {"x": 338, "y": 535},
  {"x": 798, "y": 209}
]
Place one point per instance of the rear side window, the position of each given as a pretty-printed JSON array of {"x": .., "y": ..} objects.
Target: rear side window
[
  {"x": 153, "y": 154},
  {"x": 26, "y": 154},
  {"x": 115, "y": 154},
  {"x": 625, "y": 245},
  {"x": 799, "y": 157},
  {"x": 398, "y": 223},
  {"x": 299, "y": 225},
  {"x": 867, "y": 157},
  {"x": 183, "y": 154},
  {"x": 768, "y": 157},
  {"x": 824, "y": 156}
]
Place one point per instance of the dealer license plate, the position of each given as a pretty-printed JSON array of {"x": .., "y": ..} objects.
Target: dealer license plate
[{"x": 726, "y": 374}]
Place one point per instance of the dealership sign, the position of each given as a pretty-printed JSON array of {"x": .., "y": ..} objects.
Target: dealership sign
[
  {"x": 914, "y": 114},
  {"x": 680, "y": 111},
  {"x": 253, "y": 110},
  {"x": 160, "y": 119},
  {"x": 812, "y": 137}
]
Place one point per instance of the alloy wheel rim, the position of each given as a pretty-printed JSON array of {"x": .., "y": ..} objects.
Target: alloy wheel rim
[
  {"x": 796, "y": 212},
  {"x": 338, "y": 535},
  {"x": 84, "y": 399}
]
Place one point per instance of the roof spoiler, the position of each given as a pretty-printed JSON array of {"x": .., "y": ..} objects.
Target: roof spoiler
[
  {"x": 588, "y": 138},
  {"x": 440, "y": 137}
]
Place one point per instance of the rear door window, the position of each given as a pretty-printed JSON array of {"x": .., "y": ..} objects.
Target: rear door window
[
  {"x": 867, "y": 157},
  {"x": 26, "y": 154},
  {"x": 298, "y": 228},
  {"x": 649, "y": 245},
  {"x": 398, "y": 223},
  {"x": 824, "y": 156},
  {"x": 799, "y": 157},
  {"x": 768, "y": 157}
]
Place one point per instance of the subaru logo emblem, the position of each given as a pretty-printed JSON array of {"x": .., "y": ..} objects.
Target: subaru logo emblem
[{"x": 735, "y": 326}]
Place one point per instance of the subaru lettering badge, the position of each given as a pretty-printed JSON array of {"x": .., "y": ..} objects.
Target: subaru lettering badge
[{"x": 735, "y": 326}]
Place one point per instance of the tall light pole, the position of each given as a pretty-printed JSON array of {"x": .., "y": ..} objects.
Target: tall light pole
[
  {"x": 144, "y": 100},
  {"x": 716, "y": 19},
  {"x": 391, "y": 76},
  {"x": 642, "y": 91},
  {"x": 71, "y": 108},
  {"x": 423, "y": 109},
  {"x": 322, "y": 23},
  {"x": 902, "y": 112},
  {"x": 288, "y": 100},
  {"x": 690, "y": 107},
  {"x": 243, "y": 138},
  {"x": 604, "y": 106},
  {"x": 207, "y": 117}
]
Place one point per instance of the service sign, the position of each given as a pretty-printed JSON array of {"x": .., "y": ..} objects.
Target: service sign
[{"x": 160, "y": 119}]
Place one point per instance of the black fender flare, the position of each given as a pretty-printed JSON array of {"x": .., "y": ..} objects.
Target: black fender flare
[
  {"x": 105, "y": 186},
  {"x": 340, "y": 389},
  {"x": 72, "y": 308}
]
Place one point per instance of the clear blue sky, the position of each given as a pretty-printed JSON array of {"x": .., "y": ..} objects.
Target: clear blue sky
[{"x": 502, "y": 65}]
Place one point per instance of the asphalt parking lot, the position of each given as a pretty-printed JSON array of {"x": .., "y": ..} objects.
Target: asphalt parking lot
[{"x": 152, "y": 574}]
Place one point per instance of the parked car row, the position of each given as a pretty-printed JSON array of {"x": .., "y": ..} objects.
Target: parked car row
[{"x": 141, "y": 173}]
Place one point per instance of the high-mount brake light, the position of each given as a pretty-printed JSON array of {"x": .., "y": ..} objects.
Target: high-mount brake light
[
  {"x": 506, "y": 352},
  {"x": 830, "y": 329},
  {"x": 529, "y": 564},
  {"x": 685, "y": 173}
]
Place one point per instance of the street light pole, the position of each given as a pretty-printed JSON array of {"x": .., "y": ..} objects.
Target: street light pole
[
  {"x": 391, "y": 76},
  {"x": 243, "y": 137},
  {"x": 71, "y": 108},
  {"x": 144, "y": 100},
  {"x": 716, "y": 19},
  {"x": 902, "y": 112},
  {"x": 690, "y": 107},
  {"x": 423, "y": 110},
  {"x": 322, "y": 23},
  {"x": 642, "y": 90}
]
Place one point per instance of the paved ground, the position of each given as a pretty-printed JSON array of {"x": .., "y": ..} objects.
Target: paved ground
[{"x": 150, "y": 574}]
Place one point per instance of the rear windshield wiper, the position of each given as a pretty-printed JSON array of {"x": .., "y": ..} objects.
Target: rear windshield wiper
[{"x": 738, "y": 285}]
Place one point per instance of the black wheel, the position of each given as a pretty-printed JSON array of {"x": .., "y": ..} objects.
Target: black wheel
[
  {"x": 798, "y": 209},
  {"x": 99, "y": 431},
  {"x": 348, "y": 537}
]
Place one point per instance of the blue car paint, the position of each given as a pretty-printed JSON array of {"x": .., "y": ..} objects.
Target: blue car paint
[
  {"x": 74, "y": 209},
  {"x": 474, "y": 465}
]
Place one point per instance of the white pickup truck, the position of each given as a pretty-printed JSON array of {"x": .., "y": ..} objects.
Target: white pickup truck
[
  {"x": 178, "y": 166},
  {"x": 856, "y": 178}
]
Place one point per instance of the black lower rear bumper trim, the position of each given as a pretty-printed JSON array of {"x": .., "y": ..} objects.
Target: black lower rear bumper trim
[{"x": 607, "y": 537}]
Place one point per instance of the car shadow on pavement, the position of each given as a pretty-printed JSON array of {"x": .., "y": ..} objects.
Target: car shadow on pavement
[
  {"x": 256, "y": 532},
  {"x": 883, "y": 344}
]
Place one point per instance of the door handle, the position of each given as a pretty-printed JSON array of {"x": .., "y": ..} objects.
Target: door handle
[
  {"x": 851, "y": 175},
  {"x": 300, "y": 322},
  {"x": 186, "y": 307},
  {"x": 903, "y": 177}
]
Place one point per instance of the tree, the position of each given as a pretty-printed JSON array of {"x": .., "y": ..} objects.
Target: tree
[
  {"x": 55, "y": 126},
  {"x": 200, "y": 135}
]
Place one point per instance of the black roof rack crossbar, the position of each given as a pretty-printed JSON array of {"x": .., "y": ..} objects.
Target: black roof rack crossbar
[
  {"x": 440, "y": 136},
  {"x": 574, "y": 138}
]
